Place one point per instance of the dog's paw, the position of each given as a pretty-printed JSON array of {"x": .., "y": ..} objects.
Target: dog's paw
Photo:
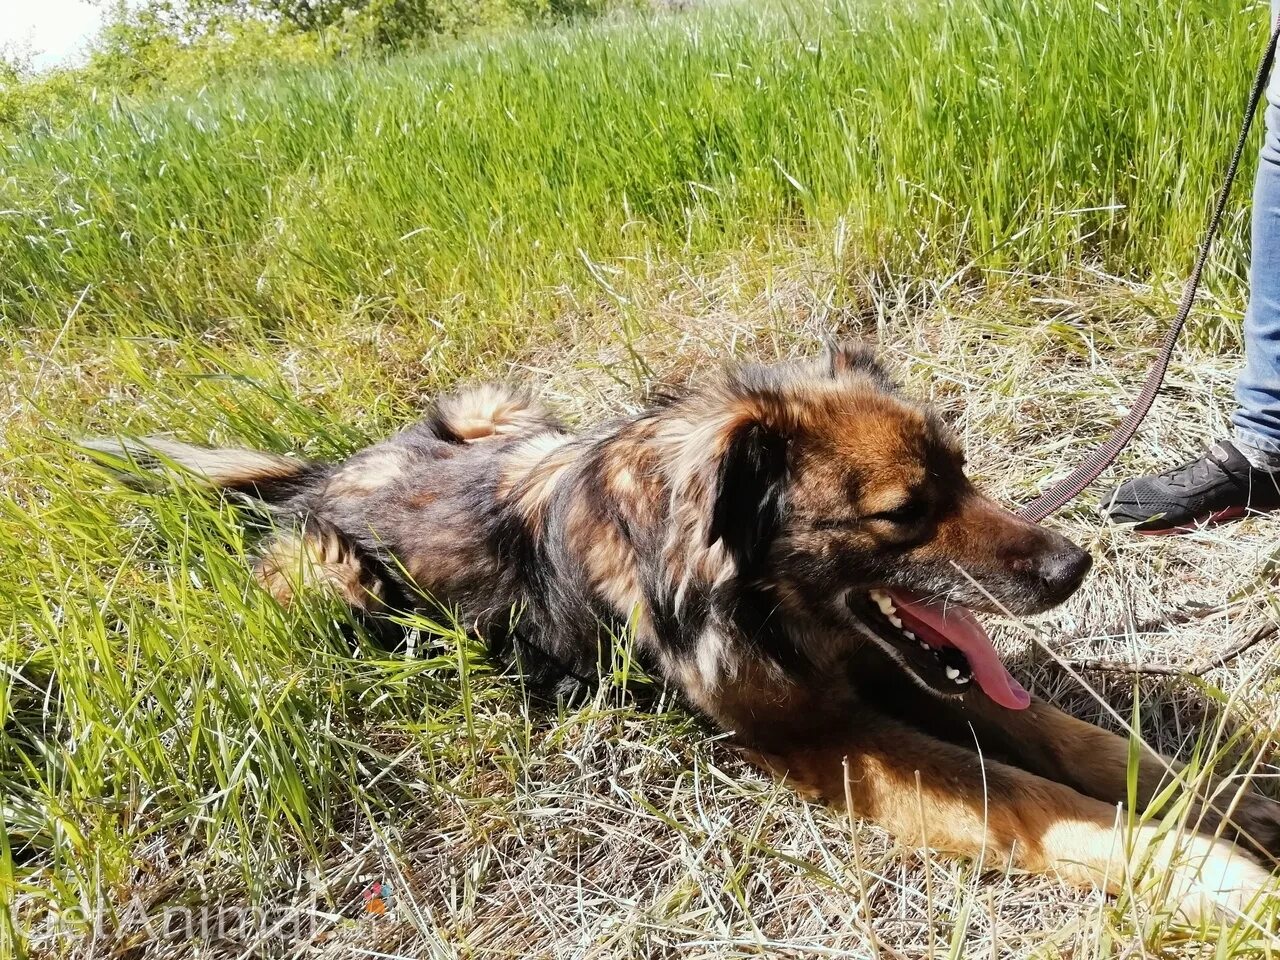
[{"x": 1218, "y": 881}]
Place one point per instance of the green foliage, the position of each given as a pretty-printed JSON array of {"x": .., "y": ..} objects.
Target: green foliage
[
  {"x": 12, "y": 91},
  {"x": 147, "y": 54},
  {"x": 144, "y": 54},
  {"x": 979, "y": 133},
  {"x": 396, "y": 24},
  {"x": 162, "y": 47}
]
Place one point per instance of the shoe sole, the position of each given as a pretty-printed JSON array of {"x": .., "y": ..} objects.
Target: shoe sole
[{"x": 1213, "y": 519}]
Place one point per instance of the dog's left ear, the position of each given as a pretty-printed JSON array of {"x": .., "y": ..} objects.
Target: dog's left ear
[
  {"x": 749, "y": 493},
  {"x": 848, "y": 357}
]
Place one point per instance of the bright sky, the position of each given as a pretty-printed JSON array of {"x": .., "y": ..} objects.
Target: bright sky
[{"x": 54, "y": 30}]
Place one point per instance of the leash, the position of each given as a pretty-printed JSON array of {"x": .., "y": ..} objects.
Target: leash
[{"x": 1068, "y": 488}]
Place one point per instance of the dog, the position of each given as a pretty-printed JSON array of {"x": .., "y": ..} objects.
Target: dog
[{"x": 795, "y": 549}]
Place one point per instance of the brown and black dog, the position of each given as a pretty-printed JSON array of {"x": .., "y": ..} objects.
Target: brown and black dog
[{"x": 797, "y": 550}]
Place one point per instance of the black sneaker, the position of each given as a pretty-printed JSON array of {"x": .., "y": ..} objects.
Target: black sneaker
[{"x": 1221, "y": 485}]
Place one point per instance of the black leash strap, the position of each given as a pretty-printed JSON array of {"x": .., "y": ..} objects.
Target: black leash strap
[{"x": 1067, "y": 489}]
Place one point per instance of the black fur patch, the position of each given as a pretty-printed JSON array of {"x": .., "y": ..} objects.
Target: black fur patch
[
  {"x": 437, "y": 424},
  {"x": 754, "y": 613},
  {"x": 562, "y": 629},
  {"x": 278, "y": 490},
  {"x": 750, "y": 495},
  {"x": 847, "y": 357}
]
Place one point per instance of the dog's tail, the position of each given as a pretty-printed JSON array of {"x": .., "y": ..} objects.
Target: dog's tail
[{"x": 270, "y": 477}]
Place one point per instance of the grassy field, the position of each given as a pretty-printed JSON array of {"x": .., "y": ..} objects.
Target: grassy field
[{"x": 1002, "y": 193}]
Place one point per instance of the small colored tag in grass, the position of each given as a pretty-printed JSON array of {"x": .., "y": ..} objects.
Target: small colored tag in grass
[{"x": 377, "y": 898}]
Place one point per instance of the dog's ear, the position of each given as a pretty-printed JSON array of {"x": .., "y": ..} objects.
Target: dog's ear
[
  {"x": 845, "y": 358},
  {"x": 750, "y": 492}
]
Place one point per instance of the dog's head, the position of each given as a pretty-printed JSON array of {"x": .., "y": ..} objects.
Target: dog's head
[{"x": 848, "y": 505}]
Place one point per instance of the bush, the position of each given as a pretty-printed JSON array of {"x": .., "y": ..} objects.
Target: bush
[
  {"x": 181, "y": 45},
  {"x": 147, "y": 52},
  {"x": 143, "y": 56},
  {"x": 26, "y": 98},
  {"x": 395, "y": 24}
]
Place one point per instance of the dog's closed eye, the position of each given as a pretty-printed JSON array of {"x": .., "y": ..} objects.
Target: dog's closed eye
[{"x": 905, "y": 514}]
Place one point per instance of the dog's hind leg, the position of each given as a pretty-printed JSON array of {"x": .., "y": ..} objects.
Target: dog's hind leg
[
  {"x": 317, "y": 555},
  {"x": 1005, "y": 815}
]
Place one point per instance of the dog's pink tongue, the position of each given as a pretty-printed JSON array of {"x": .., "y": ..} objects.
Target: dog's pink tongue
[{"x": 956, "y": 625}]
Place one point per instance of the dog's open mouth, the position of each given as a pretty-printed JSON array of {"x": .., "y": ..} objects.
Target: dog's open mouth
[{"x": 944, "y": 645}]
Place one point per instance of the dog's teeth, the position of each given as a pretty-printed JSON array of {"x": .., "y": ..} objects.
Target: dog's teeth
[
  {"x": 953, "y": 674},
  {"x": 894, "y": 620},
  {"x": 909, "y": 635},
  {"x": 963, "y": 680},
  {"x": 883, "y": 602},
  {"x": 924, "y": 646}
]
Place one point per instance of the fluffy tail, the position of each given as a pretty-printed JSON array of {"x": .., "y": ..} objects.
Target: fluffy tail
[{"x": 267, "y": 476}]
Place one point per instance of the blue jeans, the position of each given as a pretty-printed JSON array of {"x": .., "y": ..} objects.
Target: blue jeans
[{"x": 1257, "y": 421}]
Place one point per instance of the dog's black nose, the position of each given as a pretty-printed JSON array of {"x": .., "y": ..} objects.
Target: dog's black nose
[{"x": 1064, "y": 571}]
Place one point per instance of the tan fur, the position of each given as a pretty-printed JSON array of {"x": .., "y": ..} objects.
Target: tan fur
[
  {"x": 936, "y": 797},
  {"x": 533, "y": 470},
  {"x": 524, "y": 458},
  {"x": 610, "y": 567},
  {"x": 224, "y": 467},
  {"x": 487, "y": 411},
  {"x": 367, "y": 473}
]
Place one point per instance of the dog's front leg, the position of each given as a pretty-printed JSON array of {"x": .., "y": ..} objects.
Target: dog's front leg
[
  {"x": 1005, "y": 815},
  {"x": 1056, "y": 745}
]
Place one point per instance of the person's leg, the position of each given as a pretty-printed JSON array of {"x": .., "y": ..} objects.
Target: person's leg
[
  {"x": 1232, "y": 478},
  {"x": 1257, "y": 422}
]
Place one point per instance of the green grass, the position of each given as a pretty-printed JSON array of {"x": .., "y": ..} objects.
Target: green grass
[
  {"x": 471, "y": 187},
  {"x": 995, "y": 188}
]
